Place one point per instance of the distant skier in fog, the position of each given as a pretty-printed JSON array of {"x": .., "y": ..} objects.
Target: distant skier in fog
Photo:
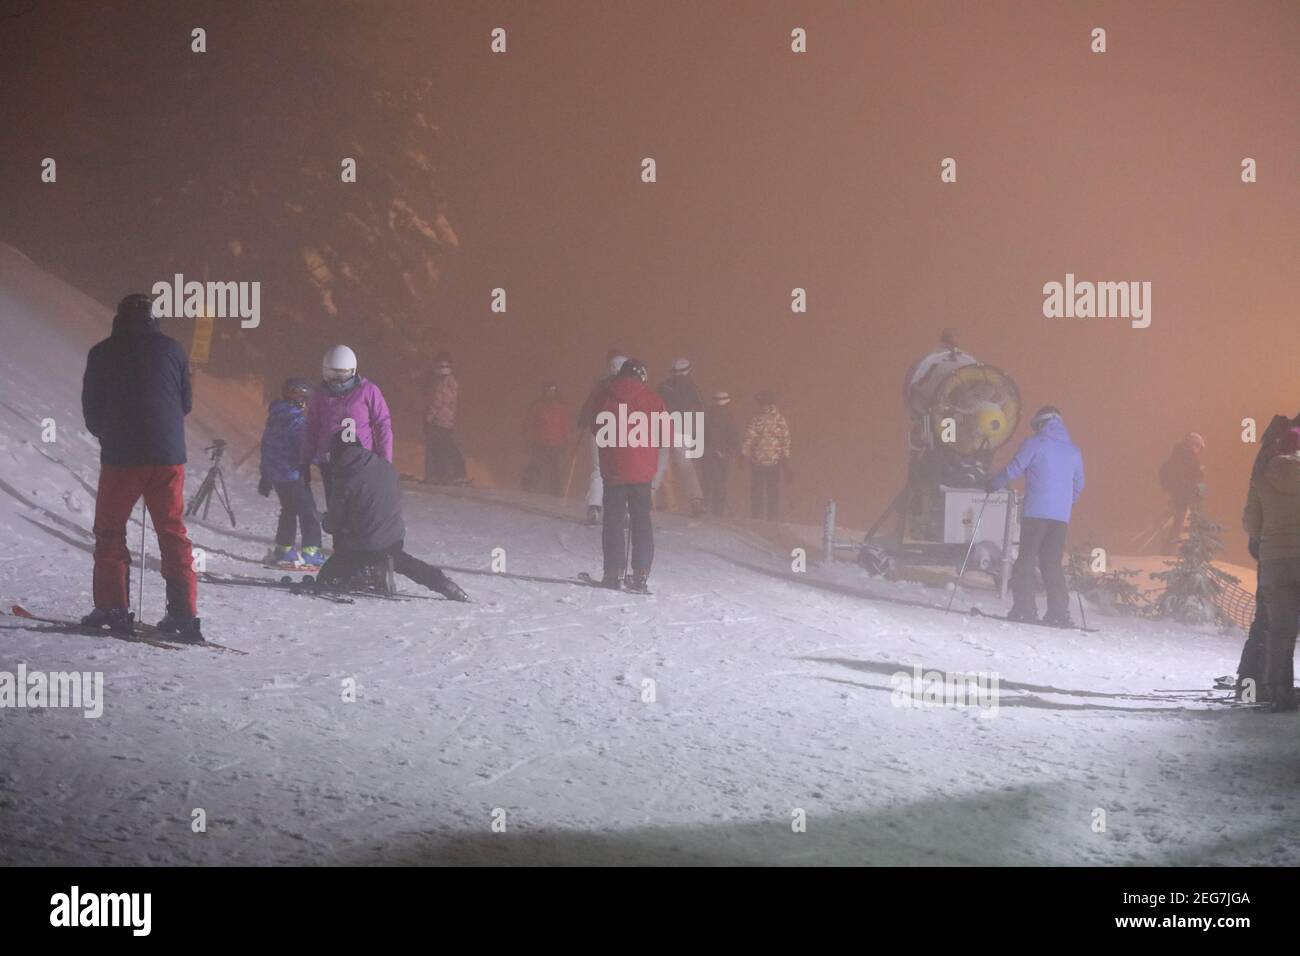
[
  {"x": 134, "y": 397},
  {"x": 364, "y": 514},
  {"x": 443, "y": 462},
  {"x": 627, "y": 471},
  {"x": 1272, "y": 518},
  {"x": 767, "y": 448},
  {"x": 680, "y": 394},
  {"x": 721, "y": 445},
  {"x": 1182, "y": 476},
  {"x": 1053, "y": 468},
  {"x": 282, "y": 472},
  {"x": 614, "y": 360},
  {"x": 547, "y": 434}
]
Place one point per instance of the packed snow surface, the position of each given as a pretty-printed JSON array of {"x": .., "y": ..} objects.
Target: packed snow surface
[{"x": 743, "y": 713}]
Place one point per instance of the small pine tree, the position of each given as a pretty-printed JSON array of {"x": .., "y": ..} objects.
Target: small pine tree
[
  {"x": 1193, "y": 584},
  {"x": 1115, "y": 589}
]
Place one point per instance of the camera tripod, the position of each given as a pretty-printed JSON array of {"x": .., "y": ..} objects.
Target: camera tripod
[{"x": 214, "y": 482}]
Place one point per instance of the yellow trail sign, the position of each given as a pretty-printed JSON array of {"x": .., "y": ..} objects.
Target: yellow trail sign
[{"x": 201, "y": 344}]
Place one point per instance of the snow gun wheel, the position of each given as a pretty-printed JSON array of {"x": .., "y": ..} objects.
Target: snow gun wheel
[{"x": 875, "y": 561}]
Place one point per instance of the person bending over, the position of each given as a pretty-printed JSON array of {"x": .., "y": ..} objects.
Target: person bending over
[{"x": 364, "y": 513}]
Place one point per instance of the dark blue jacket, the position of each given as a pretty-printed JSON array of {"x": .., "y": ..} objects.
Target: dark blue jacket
[
  {"x": 1053, "y": 470},
  {"x": 136, "y": 393},
  {"x": 364, "y": 501},
  {"x": 286, "y": 426}
]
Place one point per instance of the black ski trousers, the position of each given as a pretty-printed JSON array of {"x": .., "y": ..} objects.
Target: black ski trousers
[
  {"x": 297, "y": 511},
  {"x": 443, "y": 462},
  {"x": 342, "y": 565},
  {"x": 1251, "y": 665},
  {"x": 765, "y": 492},
  {"x": 1042, "y": 544},
  {"x": 545, "y": 470},
  {"x": 624, "y": 508},
  {"x": 714, "y": 472},
  {"x": 1279, "y": 580}
]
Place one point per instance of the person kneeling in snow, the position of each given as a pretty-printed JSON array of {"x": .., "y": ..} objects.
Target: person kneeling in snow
[
  {"x": 364, "y": 513},
  {"x": 1053, "y": 470}
]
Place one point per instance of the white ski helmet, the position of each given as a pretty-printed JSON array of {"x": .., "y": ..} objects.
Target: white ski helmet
[
  {"x": 616, "y": 364},
  {"x": 339, "y": 364}
]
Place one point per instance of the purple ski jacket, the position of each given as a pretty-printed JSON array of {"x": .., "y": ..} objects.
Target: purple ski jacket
[{"x": 364, "y": 403}]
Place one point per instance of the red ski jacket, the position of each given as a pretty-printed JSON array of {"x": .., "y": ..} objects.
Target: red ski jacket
[
  {"x": 548, "y": 423},
  {"x": 620, "y": 463}
]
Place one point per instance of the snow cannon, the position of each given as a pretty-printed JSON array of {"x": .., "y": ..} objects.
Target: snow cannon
[{"x": 962, "y": 413}]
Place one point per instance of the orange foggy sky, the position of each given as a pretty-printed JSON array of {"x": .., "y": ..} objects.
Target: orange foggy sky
[{"x": 821, "y": 171}]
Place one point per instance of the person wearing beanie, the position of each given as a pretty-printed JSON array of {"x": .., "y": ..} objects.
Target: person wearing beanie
[
  {"x": 614, "y": 360},
  {"x": 281, "y": 472},
  {"x": 721, "y": 445},
  {"x": 364, "y": 514},
  {"x": 1053, "y": 469},
  {"x": 135, "y": 395},
  {"x": 767, "y": 448},
  {"x": 1272, "y": 515},
  {"x": 1182, "y": 476},
  {"x": 681, "y": 396}
]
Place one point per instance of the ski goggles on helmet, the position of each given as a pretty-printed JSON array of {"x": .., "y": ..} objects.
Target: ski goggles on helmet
[{"x": 1042, "y": 418}]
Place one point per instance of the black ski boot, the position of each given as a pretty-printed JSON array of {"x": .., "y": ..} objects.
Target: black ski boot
[
  {"x": 612, "y": 581},
  {"x": 698, "y": 508},
  {"x": 452, "y": 591},
  {"x": 1023, "y": 615},
  {"x": 1062, "y": 621},
  {"x": 182, "y": 627},
  {"x": 117, "y": 619},
  {"x": 636, "y": 582}
]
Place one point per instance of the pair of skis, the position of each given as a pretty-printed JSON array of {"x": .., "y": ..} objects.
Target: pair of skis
[
  {"x": 307, "y": 586},
  {"x": 976, "y": 612},
  {"x": 1226, "y": 682},
  {"x": 143, "y": 633},
  {"x": 587, "y": 579},
  {"x": 289, "y": 566}
]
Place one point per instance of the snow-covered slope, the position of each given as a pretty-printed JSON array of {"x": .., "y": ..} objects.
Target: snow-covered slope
[{"x": 524, "y": 727}]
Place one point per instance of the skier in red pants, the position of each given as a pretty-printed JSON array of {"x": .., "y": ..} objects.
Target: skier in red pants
[{"x": 134, "y": 397}]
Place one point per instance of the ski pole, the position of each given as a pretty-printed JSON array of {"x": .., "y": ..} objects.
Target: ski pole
[
  {"x": 1083, "y": 615},
  {"x": 973, "y": 535},
  {"x": 573, "y": 465},
  {"x": 627, "y": 553},
  {"x": 139, "y": 604}
]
